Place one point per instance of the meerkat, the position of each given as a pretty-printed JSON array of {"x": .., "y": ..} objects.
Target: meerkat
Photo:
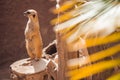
[{"x": 33, "y": 37}]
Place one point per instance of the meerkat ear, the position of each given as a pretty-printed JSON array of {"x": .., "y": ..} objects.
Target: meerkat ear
[{"x": 34, "y": 16}]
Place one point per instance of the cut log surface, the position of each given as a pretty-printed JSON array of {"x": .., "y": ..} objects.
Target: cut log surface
[{"x": 27, "y": 69}]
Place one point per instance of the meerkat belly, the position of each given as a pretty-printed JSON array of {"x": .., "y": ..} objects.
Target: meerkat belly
[
  {"x": 29, "y": 32},
  {"x": 30, "y": 46},
  {"x": 37, "y": 40},
  {"x": 29, "y": 37}
]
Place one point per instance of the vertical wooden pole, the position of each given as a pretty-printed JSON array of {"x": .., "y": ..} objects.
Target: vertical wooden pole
[
  {"x": 64, "y": 56},
  {"x": 61, "y": 59}
]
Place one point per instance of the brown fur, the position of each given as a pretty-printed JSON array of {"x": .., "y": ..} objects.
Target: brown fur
[{"x": 32, "y": 36}]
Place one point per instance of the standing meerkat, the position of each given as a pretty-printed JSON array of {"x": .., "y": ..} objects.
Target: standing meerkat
[{"x": 32, "y": 35}]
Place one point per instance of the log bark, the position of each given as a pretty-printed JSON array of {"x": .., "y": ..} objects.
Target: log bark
[
  {"x": 62, "y": 60},
  {"x": 52, "y": 70},
  {"x": 64, "y": 55},
  {"x": 26, "y": 69}
]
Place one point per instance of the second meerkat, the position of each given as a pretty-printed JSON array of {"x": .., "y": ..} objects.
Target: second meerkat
[{"x": 33, "y": 37}]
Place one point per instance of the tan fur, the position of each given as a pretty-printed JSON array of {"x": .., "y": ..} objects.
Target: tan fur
[{"x": 32, "y": 36}]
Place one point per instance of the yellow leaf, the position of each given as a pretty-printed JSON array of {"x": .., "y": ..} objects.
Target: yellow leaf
[
  {"x": 68, "y": 32},
  {"x": 62, "y": 18},
  {"x": 105, "y": 53},
  {"x": 94, "y": 57},
  {"x": 114, "y": 77},
  {"x": 99, "y": 41},
  {"x": 77, "y": 43},
  {"x": 93, "y": 69}
]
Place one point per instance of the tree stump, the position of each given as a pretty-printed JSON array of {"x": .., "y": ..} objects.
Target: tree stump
[{"x": 26, "y": 69}]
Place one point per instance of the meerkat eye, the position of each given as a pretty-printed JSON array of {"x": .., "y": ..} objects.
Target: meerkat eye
[
  {"x": 28, "y": 12},
  {"x": 34, "y": 16}
]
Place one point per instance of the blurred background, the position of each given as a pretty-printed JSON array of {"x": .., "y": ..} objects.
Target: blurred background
[{"x": 12, "y": 26}]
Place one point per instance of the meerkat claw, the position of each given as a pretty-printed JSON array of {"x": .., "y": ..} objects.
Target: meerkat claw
[
  {"x": 36, "y": 59},
  {"x": 30, "y": 59}
]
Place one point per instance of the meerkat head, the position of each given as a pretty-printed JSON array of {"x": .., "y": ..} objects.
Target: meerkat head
[{"x": 31, "y": 13}]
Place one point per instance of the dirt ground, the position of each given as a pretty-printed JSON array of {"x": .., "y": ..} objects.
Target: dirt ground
[{"x": 12, "y": 25}]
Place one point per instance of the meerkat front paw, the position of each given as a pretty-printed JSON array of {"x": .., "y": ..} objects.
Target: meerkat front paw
[
  {"x": 30, "y": 59},
  {"x": 37, "y": 59}
]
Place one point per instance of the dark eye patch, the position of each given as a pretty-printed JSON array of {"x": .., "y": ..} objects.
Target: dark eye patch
[
  {"x": 34, "y": 16},
  {"x": 28, "y": 12}
]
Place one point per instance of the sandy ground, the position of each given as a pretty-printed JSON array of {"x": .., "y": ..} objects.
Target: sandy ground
[{"x": 12, "y": 25}]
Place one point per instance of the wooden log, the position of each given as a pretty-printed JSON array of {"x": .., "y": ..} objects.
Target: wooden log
[
  {"x": 62, "y": 60},
  {"x": 26, "y": 69},
  {"x": 52, "y": 70}
]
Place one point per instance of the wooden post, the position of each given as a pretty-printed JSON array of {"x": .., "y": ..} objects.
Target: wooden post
[
  {"x": 52, "y": 70},
  {"x": 26, "y": 69},
  {"x": 64, "y": 56},
  {"x": 61, "y": 59},
  {"x": 66, "y": 53}
]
